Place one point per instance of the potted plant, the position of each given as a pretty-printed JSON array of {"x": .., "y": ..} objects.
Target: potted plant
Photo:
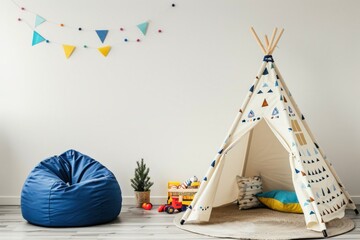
[{"x": 141, "y": 183}]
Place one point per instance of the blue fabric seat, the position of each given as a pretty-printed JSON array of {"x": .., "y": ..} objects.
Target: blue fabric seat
[{"x": 70, "y": 190}]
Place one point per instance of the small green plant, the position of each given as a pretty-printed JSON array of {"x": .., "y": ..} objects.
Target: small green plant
[{"x": 141, "y": 181}]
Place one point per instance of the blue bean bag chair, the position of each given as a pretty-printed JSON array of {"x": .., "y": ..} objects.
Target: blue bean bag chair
[{"x": 70, "y": 190}]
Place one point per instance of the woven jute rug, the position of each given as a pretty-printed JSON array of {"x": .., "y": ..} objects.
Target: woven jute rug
[{"x": 261, "y": 223}]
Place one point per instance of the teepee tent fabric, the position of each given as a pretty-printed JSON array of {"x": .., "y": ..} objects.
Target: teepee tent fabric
[{"x": 270, "y": 137}]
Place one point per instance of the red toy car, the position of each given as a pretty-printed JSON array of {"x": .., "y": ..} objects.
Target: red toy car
[{"x": 176, "y": 206}]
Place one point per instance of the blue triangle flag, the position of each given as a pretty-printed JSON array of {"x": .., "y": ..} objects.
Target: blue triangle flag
[
  {"x": 102, "y": 34},
  {"x": 308, "y": 152},
  {"x": 251, "y": 114},
  {"x": 265, "y": 72},
  {"x": 39, "y": 20},
  {"x": 252, "y": 88},
  {"x": 143, "y": 27},
  {"x": 275, "y": 111},
  {"x": 37, "y": 38}
]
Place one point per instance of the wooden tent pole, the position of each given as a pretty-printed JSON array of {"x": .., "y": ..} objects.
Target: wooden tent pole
[
  {"x": 267, "y": 42},
  {"x": 272, "y": 39},
  {"x": 276, "y": 42},
  {"x": 258, "y": 40}
]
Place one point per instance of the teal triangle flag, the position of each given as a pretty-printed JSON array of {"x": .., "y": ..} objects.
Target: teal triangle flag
[
  {"x": 37, "y": 38},
  {"x": 102, "y": 34},
  {"x": 39, "y": 20},
  {"x": 143, "y": 27}
]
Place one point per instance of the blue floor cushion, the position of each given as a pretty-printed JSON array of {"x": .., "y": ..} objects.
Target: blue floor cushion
[{"x": 70, "y": 190}]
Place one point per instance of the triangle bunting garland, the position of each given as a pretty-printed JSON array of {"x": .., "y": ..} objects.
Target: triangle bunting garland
[
  {"x": 39, "y": 20},
  {"x": 37, "y": 38},
  {"x": 102, "y": 34},
  {"x": 143, "y": 27},
  {"x": 68, "y": 50},
  {"x": 104, "y": 50},
  {"x": 34, "y": 19}
]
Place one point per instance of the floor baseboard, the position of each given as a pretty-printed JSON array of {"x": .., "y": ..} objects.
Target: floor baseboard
[{"x": 9, "y": 200}]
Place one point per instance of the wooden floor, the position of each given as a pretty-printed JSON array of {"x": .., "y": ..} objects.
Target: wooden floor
[{"x": 133, "y": 223}]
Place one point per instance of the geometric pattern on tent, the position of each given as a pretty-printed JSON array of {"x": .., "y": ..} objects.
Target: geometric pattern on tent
[{"x": 320, "y": 192}]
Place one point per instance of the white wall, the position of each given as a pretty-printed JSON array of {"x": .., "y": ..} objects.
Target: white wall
[{"x": 172, "y": 98}]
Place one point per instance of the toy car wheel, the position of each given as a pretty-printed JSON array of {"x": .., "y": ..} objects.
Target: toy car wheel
[{"x": 170, "y": 210}]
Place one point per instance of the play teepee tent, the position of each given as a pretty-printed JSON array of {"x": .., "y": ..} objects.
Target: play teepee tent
[{"x": 270, "y": 137}]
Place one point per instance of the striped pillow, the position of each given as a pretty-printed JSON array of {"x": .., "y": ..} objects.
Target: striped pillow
[{"x": 248, "y": 188}]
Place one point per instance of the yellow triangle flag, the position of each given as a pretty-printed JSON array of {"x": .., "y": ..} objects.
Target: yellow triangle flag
[
  {"x": 68, "y": 49},
  {"x": 104, "y": 50}
]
